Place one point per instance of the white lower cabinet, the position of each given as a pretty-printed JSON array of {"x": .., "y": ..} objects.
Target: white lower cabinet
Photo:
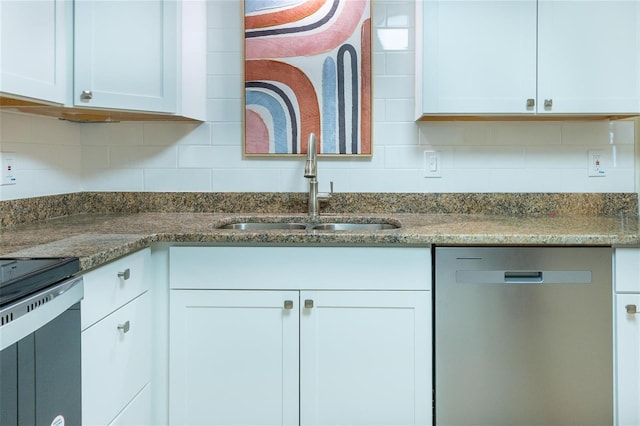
[
  {"x": 116, "y": 343},
  {"x": 365, "y": 358},
  {"x": 233, "y": 358},
  {"x": 628, "y": 359},
  {"x": 627, "y": 335},
  {"x": 137, "y": 411},
  {"x": 244, "y": 352}
]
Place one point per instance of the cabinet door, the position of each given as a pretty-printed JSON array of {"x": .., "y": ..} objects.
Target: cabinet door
[
  {"x": 478, "y": 56},
  {"x": 125, "y": 54},
  {"x": 33, "y": 55},
  {"x": 233, "y": 357},
  {"x": 589, "y": 56},
  {"x": 627, "y": 360},
  {"x": 365, "y": 358},
  {"x": 137, "y": 412},
  {"x": 627, "y": 270}
]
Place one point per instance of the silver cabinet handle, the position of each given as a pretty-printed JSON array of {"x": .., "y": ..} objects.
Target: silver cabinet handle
[
  {"x": 531, "y": 103},
  {"x": 548, "y": 103},
  {"x": 124, "y": 328},
  {"x": 631, "y": 309},
  {"x": 308, "y": 304},
  {"x": 288, "y": 304},
  {"x": 125, "y": 275},
  {"x": 86, "y": 95}
]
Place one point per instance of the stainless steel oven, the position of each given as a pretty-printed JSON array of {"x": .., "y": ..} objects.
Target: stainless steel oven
[{"x": 40, "y": 372}]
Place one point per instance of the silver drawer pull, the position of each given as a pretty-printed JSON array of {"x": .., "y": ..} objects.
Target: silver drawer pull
[
  {"x": 124, "y": 327},
  {"x": 631, "y": 309},
  {"x": 288, "y": 304},
  {"x": 308, "y": 303},
  {"x": 86, "y": 95},
  {"x": 125, "y": 274}
]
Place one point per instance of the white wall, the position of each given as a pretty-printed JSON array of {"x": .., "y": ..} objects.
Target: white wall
[
  {"x": 47, "y": 155},
  {"x": 637, "y": 127},
  {"x": 58, "y": 157}
]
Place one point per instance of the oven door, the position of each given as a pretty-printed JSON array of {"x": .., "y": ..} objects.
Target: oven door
[{"x": 40, "y": 372}]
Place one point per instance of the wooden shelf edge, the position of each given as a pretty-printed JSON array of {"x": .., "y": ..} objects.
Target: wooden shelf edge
[
  {"x": 83, "y": 115},
  {"x": 527, "y": 117}
]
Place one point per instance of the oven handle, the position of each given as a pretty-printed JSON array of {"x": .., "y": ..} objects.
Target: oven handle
[{"x": 60, "y": 298}]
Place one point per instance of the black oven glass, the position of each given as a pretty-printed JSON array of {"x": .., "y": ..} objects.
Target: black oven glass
[{"x": 20, "y": 277}]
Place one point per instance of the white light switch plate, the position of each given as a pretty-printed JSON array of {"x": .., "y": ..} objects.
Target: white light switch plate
[{"x": 432, "y": 164}]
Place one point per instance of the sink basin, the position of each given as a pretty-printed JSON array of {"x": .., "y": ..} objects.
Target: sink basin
[
  {"x": 353, "y": 226},
  {"x": 263, "y": 226},
  {"x": 290, "y": 226}
]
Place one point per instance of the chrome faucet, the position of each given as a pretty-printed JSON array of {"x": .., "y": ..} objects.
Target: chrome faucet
[{"x": 311, "y": 173}]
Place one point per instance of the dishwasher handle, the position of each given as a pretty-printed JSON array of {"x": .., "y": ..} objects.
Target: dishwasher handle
[{"x": 523, "y": 277}]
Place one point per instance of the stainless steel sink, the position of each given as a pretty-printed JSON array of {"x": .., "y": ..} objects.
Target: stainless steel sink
[
  {"x": 353, "y": 226},
  {"x": 289, "y": 226},
  {"x": 263, "y": 226}
]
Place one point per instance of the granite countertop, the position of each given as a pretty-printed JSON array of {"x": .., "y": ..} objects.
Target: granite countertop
[{"x": 98, "y": 238}]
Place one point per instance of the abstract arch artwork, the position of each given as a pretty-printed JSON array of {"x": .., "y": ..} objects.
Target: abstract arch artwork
[{"x": 307, "y": 70}]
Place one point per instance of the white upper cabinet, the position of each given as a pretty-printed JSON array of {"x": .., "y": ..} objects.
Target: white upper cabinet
[
  {"x": 33, "y": 52},
  {"x": 111, "y": 55},
  {"x": 589, "y": 56},
  {"x": 528, "y": 57},
  {"x": 143, "y": 55},
  {"x": 125, "y": 54},
  {"x": 478, "y": 56}
]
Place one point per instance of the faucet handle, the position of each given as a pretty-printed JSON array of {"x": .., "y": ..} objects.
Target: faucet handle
[
  {"x": 325, "y": 196},
  {"x": 310, "y": 166}
]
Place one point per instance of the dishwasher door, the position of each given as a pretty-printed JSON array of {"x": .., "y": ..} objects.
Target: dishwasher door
[{"x": 523, "y": 336}]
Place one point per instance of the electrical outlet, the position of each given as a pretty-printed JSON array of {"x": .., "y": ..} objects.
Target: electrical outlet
[
  {"x": 7, "y": 174},
  {"x": 432, "y": 164},
  {"x": 596, "y": 167}
]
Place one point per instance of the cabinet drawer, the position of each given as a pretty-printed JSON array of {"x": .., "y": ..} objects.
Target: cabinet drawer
[
  {"x": 627, "y": 270},
  {"x": 115, "y": 362},
  {"x": 112, "y": 285},
  {"x": 293, "y": 268},
  {"x": 138, "y": 412}
]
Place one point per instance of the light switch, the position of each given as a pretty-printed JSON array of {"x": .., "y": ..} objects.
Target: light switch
[{"x": 432, "y": 164}]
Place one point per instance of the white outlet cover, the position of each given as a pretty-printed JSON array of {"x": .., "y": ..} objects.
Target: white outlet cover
[
  {"x": 596, "y": 164},
  {"x": 8, "y": 168}
]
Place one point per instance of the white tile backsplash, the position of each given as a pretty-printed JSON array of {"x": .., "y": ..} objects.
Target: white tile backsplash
[
  {"x": 55, "y": 157},
  {"x": 113, "y": 180},
  {"x": 177, "y": 180},
  {"x": 542, "y": 134},
  {"x": 171, "y": 134},
  {"x": 224, "y": 63}
]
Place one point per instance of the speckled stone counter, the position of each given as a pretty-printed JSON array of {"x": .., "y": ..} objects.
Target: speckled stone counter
[
  {"x": 98, "y": 238},
  {"x": 27, "y": 210}
]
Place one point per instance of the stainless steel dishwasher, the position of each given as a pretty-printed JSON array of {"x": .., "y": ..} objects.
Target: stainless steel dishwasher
[{"x": 523, "y": 336}]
